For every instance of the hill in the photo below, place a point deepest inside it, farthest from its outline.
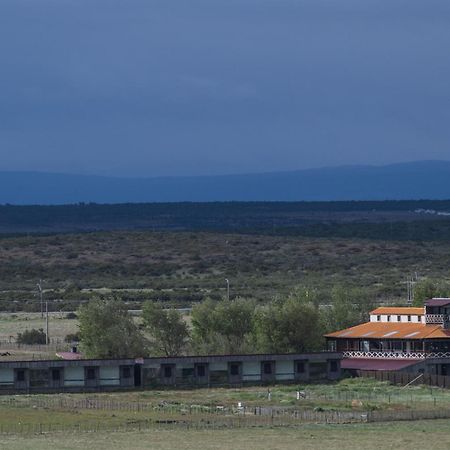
(416, 180)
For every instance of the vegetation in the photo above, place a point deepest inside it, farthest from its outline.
(223, 327)
(181, 269)
(31, 337)
(429, 288)
(169, 333)
(107, 330)
(291, 325)
(180, 429)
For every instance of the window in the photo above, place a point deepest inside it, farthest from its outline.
(21, 375)
(378, 318)
(300, 367)
(90, 375)
(201, 371)
(126, 372)
(333, 366)
(409, 318)
(56, 375)
(388, 318)
(167, 372)
(234, 369)
(399, 318)
(267, 368)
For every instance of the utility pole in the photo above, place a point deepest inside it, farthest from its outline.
(39, 285)
(228, 288)
(410, 283)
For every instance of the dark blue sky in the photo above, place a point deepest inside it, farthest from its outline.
(170, 87)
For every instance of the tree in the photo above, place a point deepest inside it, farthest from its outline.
(107, 330)
(224, 326)
(167, 328)
(348, 307)
(292, 325)
(426, 289)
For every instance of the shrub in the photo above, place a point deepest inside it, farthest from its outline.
(31, 337)
(72, 337)
(71, 315)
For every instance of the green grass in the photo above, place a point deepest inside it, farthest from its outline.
(411, 435)
(31, 423)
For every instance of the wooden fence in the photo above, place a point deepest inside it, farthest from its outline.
(404, 378)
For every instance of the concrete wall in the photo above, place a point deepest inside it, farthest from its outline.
(284, 371)
(251, 371)
(393, 318)
(74, 376)
(109, 376)
(6, 377)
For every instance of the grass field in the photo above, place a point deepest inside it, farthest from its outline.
(45, 421)
(410, 435)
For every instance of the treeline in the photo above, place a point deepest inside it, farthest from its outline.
(218, 216)
(295, 323)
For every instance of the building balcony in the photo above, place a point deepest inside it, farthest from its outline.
(435, 319)
(395, 355)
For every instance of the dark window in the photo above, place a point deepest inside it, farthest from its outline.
(90, 374)
(333, 366)
(388, 318)
(399, 318)
(56, 375)
(300, 367)
(267, 368)
(379, 318)
(234, 369)
(126, 372)
(409, 318)
(167, 372)
(21, 375)
(201, 371)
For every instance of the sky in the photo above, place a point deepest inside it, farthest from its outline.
(177, 87)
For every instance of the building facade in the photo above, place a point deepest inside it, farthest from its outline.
(412, 338)
(189, 371)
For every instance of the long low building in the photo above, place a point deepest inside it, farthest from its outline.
(221, 370)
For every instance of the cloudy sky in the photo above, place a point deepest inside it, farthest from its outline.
(171, 87)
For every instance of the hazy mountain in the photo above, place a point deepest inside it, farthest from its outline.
(416, 180)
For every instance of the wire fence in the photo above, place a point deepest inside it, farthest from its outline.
(294, 418)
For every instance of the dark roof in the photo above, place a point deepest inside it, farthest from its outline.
(377, 364)
(437, 302)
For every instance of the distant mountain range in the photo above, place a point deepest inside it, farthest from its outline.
(415, 180)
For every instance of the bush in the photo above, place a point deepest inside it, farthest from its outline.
(31, 337)
(73, 337)
(71, 315)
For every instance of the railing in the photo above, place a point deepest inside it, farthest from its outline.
(395, 355)
(435, 319)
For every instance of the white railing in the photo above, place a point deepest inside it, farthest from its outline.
(395, 355)
(435, 318)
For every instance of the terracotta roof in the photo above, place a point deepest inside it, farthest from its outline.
(377, 364)
(398, 310)
(392, 330)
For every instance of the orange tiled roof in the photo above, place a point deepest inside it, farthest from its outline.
(390, 330)
(398, 310)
